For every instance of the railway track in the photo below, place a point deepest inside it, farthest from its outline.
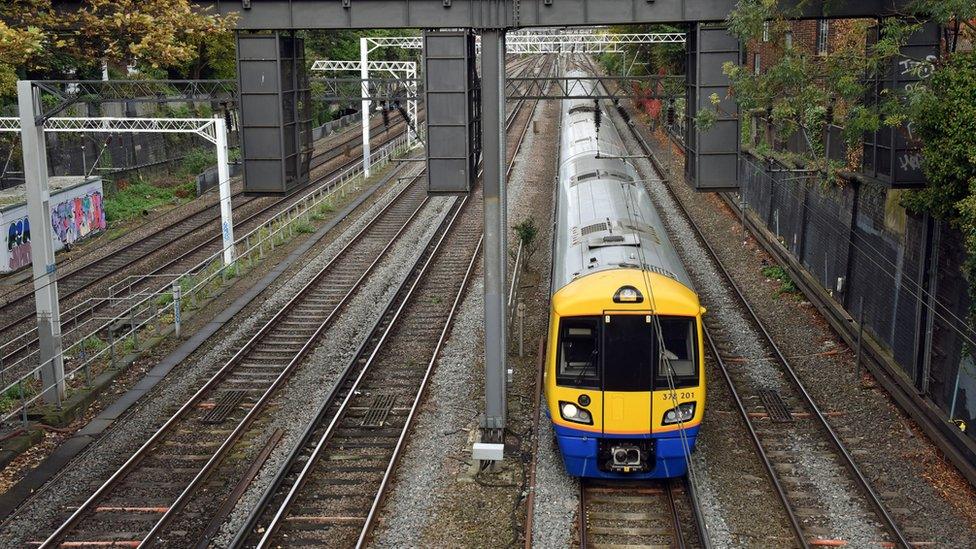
(155, 484)
(333, 484)
(154, 481)
(89, 272)
(782, 418)
(630, 514)
(22, 340)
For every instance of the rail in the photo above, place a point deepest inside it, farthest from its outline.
(154, 310)
(858, 478)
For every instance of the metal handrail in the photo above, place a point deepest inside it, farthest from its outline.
(254, 242)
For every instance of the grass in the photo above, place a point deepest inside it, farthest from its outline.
(93, 344)
(139, 197)
(304, 227)
(786, 284)
(11, 398)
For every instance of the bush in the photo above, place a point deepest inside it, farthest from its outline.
(775, 272)
(198, 160)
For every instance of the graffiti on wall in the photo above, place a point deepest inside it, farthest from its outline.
(76, 218)
(18, 244)
(76, 213)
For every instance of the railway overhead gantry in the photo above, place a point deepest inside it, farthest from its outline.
(712, 153)
(36, 119)
(403, 70)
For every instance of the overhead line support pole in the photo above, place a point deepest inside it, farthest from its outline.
(223, 183)
(364, 76)
(495, 243)
(42, 243)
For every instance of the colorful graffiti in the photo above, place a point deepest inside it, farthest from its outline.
(76, 213)
(18, 243)
(75, 218)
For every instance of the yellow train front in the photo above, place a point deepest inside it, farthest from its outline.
(625, 384)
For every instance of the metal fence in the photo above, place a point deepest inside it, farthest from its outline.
(101, 338)
(899, 272)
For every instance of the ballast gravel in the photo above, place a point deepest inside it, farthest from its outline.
(422, 506)
(442, 431)
(126, 435)
(729, 518)
(928, 498)
(301, 398)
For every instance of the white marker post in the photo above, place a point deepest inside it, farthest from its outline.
(223, 183)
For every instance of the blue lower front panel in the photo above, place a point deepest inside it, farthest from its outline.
(579, 450)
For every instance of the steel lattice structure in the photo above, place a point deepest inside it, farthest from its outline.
(585, 42)
(204, 127)
(603, 87)
(404, 87)
(9, 124)
(550, 42)
(394, 67)
(68, 92)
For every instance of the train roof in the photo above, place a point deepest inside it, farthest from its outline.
(605, 218)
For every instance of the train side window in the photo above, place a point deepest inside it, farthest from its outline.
(678, 352)
(579, 352)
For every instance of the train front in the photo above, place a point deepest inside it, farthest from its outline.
(625, 385)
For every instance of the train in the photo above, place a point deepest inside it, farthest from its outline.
(622, 405)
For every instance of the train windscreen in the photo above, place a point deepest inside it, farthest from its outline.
(616, 353)
(678, 354)
(579, 352)
(627, 356)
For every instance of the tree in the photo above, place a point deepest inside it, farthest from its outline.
(800, 92)
(22, 40)
(38, 42)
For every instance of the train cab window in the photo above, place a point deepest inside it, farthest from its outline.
(628, 341)
(579, 352)
(678, 353)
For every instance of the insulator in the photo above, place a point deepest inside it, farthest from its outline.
(386, 115)
(597, 115)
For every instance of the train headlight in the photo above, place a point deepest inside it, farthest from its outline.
(680, 414)
(572, 412)
(628, 294)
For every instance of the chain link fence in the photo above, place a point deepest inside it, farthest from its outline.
(898, 272)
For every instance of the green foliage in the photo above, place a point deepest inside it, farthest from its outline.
(162, 38)
(526, 231)
(775, 272)
(12, 396)
(343, 45)
(135, 199)
(93, 344)
(304, 227)
(198, 160)
(943, 117)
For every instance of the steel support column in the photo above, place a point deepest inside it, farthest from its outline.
(42, 244)
(364, 109)
(223, 184)
(495, 243)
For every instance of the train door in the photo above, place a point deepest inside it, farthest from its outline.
(628, 366)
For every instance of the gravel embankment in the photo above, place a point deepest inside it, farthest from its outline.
(929, 499)
(730, 482)
(91, 468)
(302, 397)
(438, 501)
